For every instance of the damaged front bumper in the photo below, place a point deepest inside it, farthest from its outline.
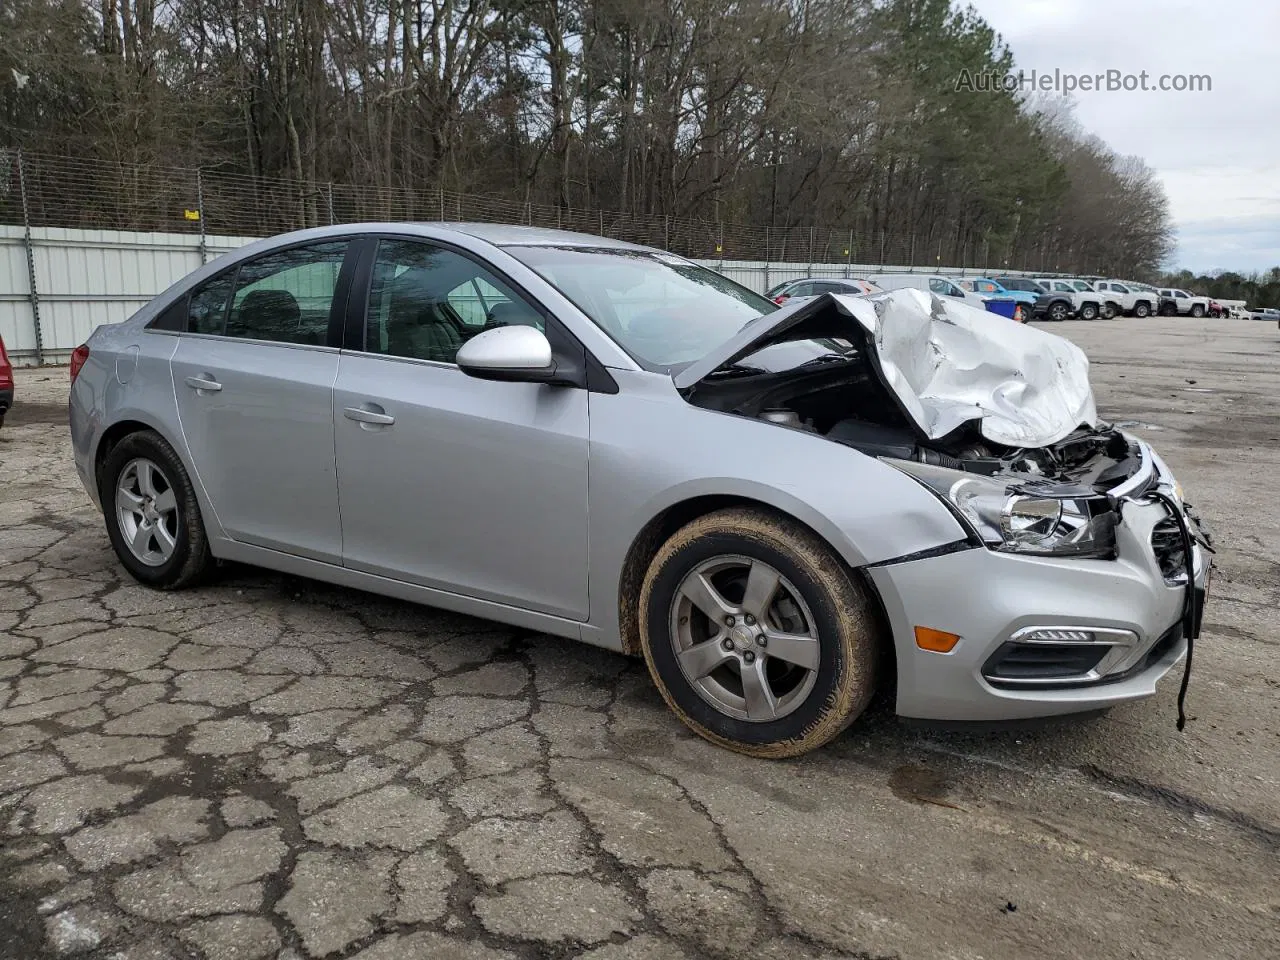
(1041, 635)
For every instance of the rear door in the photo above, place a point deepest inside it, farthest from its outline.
(253, 376)
(470, 486)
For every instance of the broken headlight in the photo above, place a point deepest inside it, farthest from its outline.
(1018, 522)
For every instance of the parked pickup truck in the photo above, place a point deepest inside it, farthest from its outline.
(1186, 304)
(1133, 299)
(1049, 305)
(1088, 305)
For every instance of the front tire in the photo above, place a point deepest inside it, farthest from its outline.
(1088, 311)
(1197, 311)
(1058, 312)
(1141, 310)
(153, 517)
(755, 634)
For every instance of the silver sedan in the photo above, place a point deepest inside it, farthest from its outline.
(782, 510)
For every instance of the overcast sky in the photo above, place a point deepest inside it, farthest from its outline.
(1217, 152)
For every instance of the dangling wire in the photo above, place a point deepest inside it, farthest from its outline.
(1189, 618)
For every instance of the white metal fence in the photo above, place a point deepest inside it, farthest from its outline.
(57, 285)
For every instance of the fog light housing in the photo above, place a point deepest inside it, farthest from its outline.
(1062, 656)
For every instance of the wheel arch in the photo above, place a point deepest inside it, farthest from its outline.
(671, 518)
(137, 421)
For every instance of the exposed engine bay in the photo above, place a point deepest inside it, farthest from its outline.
(846, 403)
(910, 376)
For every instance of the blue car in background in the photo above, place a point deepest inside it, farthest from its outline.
(988, 287)
(999, 294)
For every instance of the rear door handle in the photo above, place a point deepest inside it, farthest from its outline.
(199, 383)
(361, 415)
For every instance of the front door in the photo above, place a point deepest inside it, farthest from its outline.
(254, 377)
(471, 486)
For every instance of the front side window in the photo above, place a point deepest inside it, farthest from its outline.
(425, 302)
(1119, 288)
(286, 296)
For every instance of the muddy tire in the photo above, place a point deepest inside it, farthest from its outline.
(152, 515)
(756, 635)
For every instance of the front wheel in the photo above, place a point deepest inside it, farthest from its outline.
(153, 518)
(1088, 311)
(1058, 312)
(1197, 311)
(1141, 310)
(755, 634)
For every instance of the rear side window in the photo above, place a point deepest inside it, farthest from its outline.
(207, 312)
(286, 297)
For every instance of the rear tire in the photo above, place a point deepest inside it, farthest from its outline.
(766, 577)
(1088, 312)
(1141, 310)
(152, 515)
(1109, 311)
(1197, 311)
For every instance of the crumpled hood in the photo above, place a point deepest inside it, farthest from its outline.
(946, 363)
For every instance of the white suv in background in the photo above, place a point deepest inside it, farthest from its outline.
(1186, 304)
(1131, 297)
(1089, 305)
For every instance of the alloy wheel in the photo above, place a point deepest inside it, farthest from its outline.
(147, 512)
(744, 638)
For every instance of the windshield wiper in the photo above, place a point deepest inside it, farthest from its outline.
(828, 358)
(736, 370)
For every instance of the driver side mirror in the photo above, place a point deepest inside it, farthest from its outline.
(517, 354)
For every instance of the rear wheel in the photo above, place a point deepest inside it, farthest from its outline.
(1109, 311)
(1197, 311)
(755, 634)
(1141, 309)
(153, 518)
(1088, 311)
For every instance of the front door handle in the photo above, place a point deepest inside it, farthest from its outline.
(200, 383)
(361, 415)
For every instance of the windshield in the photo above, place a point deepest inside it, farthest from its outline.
(663, 310)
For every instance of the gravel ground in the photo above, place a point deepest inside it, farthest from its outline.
(270, 767)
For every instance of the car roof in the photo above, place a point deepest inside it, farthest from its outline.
(519, 235)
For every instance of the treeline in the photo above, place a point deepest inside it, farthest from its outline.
(788, 114)
(1255, 289)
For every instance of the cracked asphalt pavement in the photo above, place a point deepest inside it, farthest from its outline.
(267, 767)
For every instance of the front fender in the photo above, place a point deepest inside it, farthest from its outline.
(651, 450)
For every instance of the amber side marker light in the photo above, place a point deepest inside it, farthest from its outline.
(935, 641)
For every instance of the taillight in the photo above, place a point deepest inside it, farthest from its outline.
(780, 299)
(78, 356)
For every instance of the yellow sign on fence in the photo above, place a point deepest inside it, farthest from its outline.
(191, 214)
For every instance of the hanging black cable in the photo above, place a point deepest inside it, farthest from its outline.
(1189, 617)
